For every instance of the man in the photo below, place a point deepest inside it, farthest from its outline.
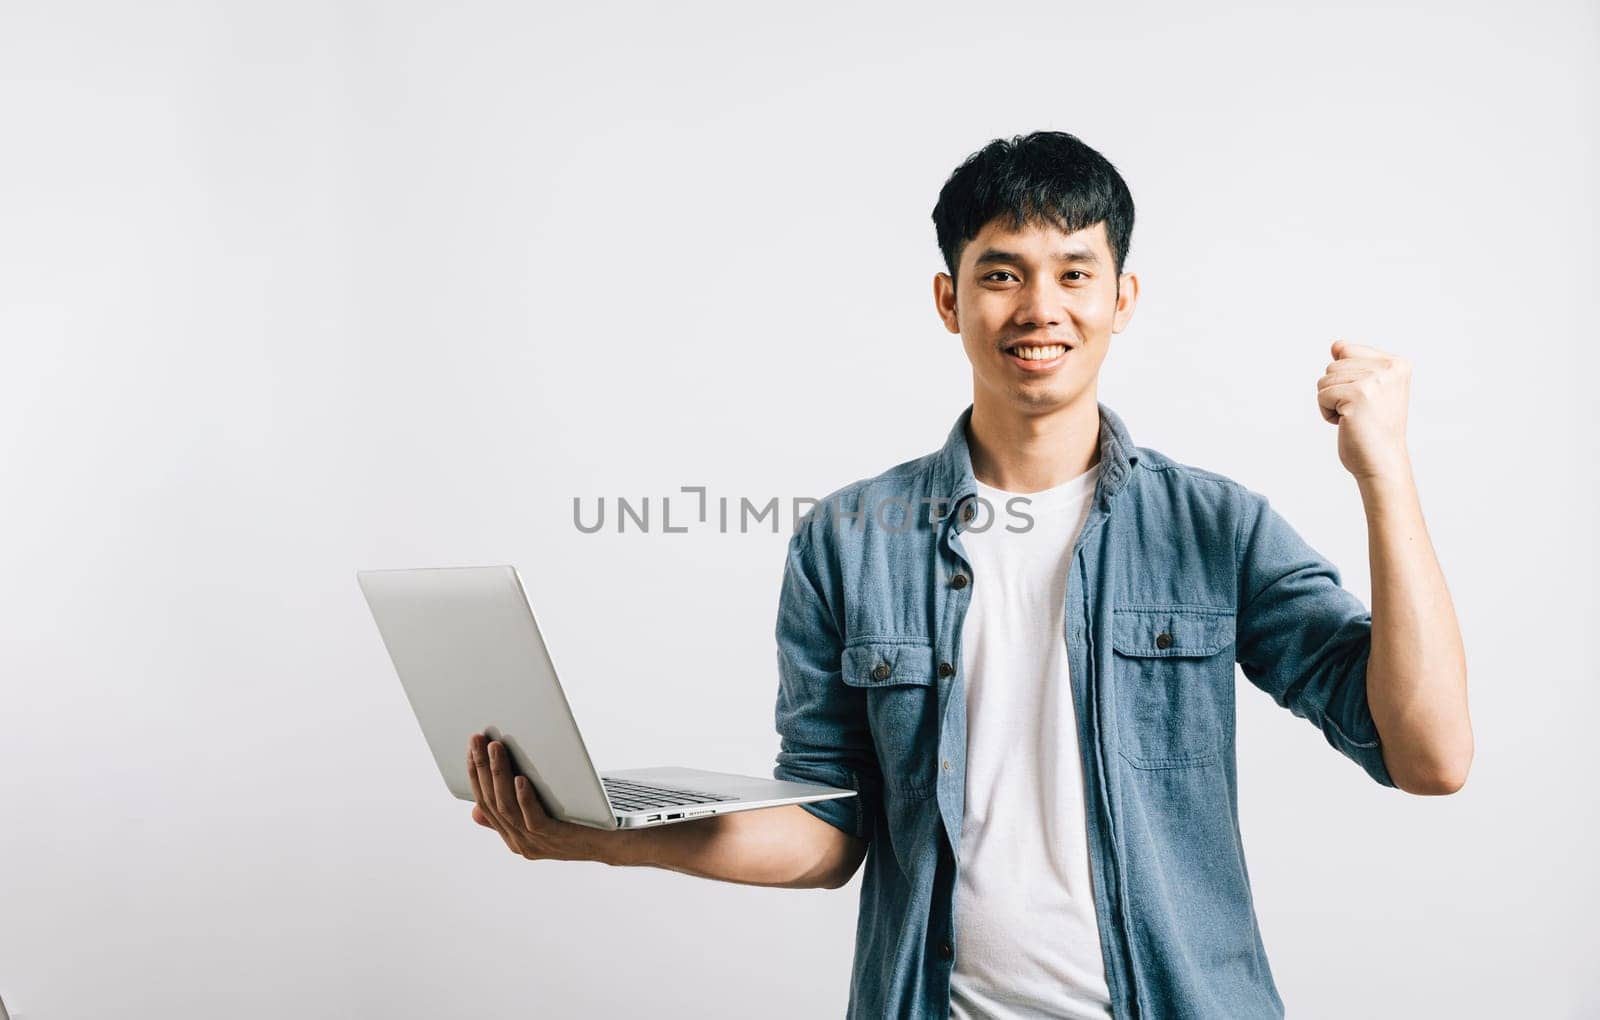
(1020, 651)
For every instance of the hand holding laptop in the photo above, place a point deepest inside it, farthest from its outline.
(468, 650)
(507, 803)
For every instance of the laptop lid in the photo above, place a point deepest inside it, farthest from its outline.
(471, 659)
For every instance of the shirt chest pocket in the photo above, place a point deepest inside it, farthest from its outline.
(902, 708)
(1174, 683)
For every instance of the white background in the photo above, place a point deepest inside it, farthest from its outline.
(291, 290)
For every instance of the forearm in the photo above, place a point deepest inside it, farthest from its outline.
(783, 846)
(1417, 670)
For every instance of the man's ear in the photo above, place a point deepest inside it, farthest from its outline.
(944, 293)
(1127, 298)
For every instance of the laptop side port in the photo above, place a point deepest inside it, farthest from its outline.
(653, 818)
(678, 815)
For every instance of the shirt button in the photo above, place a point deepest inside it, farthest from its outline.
(958, 582)
(880, 671)
(947, 764)
(968, 513)
(945, 952)
(945, 669)
(1163, 640)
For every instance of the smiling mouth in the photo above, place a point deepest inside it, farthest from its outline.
(1037, 352)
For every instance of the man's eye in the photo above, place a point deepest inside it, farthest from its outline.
(1076, 273)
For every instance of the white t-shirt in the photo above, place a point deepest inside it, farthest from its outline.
(1026, 941)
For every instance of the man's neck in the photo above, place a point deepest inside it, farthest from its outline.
(1030, 453)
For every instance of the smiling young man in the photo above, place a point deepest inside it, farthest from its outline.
(1020, 650)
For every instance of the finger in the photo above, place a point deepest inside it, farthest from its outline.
(534, 815)
(477, 768)
(482, 788)
(505, 797)
(1352, 365)
(479, 817)
(1336, 378)
(1336, 399)
(472, 771)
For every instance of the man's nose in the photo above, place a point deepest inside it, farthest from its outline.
(1039, 304)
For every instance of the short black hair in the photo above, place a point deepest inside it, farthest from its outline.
(1047, 176)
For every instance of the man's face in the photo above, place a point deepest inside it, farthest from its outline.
(1036, 288)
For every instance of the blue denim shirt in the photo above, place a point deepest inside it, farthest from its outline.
(1177, 574)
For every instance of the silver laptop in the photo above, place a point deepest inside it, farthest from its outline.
(472, 660)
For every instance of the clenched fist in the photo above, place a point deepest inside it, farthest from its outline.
(1365, 391)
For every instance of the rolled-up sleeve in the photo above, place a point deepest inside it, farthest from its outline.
(822, 723)
(1303, 638)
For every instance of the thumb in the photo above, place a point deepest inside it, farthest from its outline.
(1345, 349)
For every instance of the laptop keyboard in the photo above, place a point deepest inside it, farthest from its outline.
(630, 796)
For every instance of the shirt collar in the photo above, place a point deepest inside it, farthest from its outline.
(954, 481)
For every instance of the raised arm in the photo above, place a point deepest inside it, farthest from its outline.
(1416, 676)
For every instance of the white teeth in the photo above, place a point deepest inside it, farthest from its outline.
(1040, 353)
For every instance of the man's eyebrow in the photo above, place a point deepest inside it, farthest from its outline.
(1080, 255)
